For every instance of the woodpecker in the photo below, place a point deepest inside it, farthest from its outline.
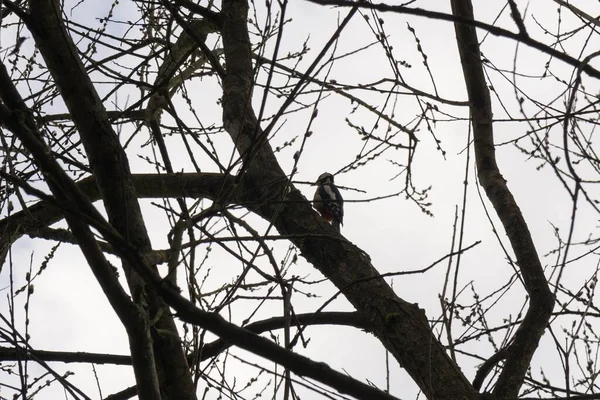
(328, 201)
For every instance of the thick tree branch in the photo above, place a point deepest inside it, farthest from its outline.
(111, 168)
(228, 332)
(235, 335)
(44, 214)
(402, 327)
(213, 322)
(541, 300)
(20, 121)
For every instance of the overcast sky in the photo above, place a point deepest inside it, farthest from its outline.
(69, 312)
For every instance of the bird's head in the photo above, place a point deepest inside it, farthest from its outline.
(324, 178)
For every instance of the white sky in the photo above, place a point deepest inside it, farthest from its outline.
(68, 311)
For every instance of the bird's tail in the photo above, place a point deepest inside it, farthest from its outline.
(336, 225)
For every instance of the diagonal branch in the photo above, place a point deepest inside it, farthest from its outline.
(541, 301)
(110, 166)
(228, 332)
(579, 12)
(235, 335)
(19, 120)
(401, 326)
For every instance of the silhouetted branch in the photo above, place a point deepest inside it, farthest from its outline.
(465, 20)
(208, 350)
(541, 301)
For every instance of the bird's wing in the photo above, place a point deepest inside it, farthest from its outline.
(339, 200)
(336, 204)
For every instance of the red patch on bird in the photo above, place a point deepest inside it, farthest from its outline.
(327, 215)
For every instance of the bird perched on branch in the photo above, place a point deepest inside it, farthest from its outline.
(328, 201)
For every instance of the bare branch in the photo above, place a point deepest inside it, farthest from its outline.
(579, 12)
(209, 350)
(401, 326)
(541, 300)
(21, 123)
(111, 168)
(463, 20)
(516, 15)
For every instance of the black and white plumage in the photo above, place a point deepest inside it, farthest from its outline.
(328, 201)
